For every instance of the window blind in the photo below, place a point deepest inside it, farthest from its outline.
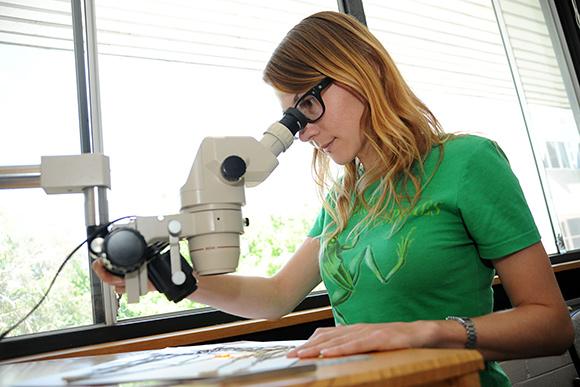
(455, 47)
(201, 32)
(452, 46)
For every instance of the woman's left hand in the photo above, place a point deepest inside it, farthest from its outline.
(361, 338)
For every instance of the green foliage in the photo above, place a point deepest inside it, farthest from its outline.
(26, 269)
(270, 245)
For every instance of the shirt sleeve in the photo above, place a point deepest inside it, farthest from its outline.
(492, 204)
(318, 226)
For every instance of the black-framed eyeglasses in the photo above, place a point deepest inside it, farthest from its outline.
(311, 103)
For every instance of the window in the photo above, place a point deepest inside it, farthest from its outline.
(39, 117)
(540, 67)
(560, 154)
(159, 65)
(453, 56)
(172, 74)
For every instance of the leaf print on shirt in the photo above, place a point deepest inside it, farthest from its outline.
(339, 317)
(333, 268)
(402, 251)
(344, 278)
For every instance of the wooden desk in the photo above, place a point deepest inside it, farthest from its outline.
(411, 367)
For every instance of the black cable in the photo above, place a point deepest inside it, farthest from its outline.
(94, 234)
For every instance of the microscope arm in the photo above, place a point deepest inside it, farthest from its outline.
(211, 199)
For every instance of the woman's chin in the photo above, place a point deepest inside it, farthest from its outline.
(340, 160)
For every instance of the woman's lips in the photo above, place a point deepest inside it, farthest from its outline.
(326, 148)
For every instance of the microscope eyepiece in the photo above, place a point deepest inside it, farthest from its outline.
(294, 120)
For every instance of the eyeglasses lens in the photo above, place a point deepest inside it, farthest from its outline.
(311, 107)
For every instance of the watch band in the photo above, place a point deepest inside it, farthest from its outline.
(469, 329)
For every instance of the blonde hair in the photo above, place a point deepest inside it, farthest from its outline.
(396, 125)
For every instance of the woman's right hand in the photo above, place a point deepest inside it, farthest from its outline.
(112, 279)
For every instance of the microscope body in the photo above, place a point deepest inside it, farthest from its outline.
(210, 219)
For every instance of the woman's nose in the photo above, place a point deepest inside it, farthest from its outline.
(306, 134)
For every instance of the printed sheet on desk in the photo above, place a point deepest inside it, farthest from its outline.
(214, 361)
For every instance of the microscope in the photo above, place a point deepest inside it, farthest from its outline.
(210, 219)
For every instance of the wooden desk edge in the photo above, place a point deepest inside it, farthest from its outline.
(429, 365)
(405, 367)
(214, 332)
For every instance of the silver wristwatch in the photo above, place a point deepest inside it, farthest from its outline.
(469, 329)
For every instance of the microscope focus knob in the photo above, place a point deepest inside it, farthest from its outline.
(233, 168)
(125, 250)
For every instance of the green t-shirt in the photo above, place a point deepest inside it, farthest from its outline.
(472, 209)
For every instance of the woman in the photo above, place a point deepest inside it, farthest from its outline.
(410, 236)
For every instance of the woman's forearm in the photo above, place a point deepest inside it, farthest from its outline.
(539, 323)
(250, 297)
(260, 297)
(516, 333)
